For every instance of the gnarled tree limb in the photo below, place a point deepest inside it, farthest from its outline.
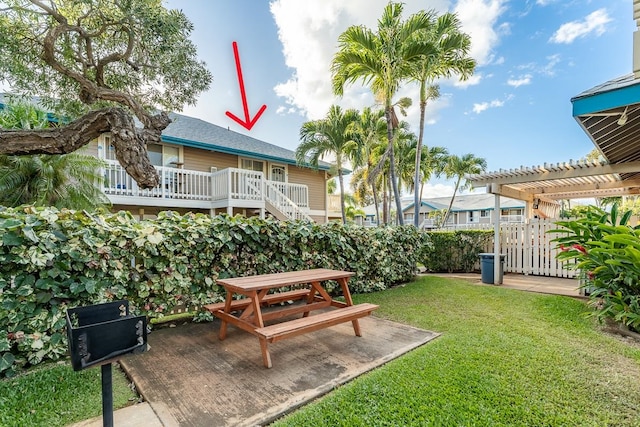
(129, 141)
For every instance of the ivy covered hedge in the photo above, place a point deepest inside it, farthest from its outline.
(456, 251)
(51, 260)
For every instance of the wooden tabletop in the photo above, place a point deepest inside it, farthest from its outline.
(277, 280)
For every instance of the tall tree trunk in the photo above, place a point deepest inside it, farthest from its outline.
(417, 198)
(455, 190)
(392, 166)
(420, 198)
(385, 196)
(341, 181)
(375, 202)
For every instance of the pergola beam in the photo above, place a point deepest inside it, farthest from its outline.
(550, 190)
(512, 193)
(522, 176)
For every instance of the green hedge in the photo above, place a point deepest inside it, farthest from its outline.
(52, 260)
(455, 251)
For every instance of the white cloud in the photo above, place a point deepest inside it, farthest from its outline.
(437, 190)
(471, 81)
(595, 22)
(309, 32)
(478, 18)
(521, 81)
(549, 68)
(484, 106)
(544, 2)
(504, 29)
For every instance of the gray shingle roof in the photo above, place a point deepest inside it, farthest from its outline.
(461, 203)
(192, 132)
(617, 83)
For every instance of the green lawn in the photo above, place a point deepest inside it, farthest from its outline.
(55, 395)
(506, 358)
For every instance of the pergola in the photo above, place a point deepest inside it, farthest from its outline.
(610, 115)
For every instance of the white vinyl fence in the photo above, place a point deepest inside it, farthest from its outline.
(529, 248)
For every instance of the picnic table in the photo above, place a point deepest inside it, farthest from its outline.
(247, 313)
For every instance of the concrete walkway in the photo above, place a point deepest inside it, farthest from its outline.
(539, 284)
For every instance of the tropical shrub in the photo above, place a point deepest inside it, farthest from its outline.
(455, 251)
(607, 249)
(52, 259)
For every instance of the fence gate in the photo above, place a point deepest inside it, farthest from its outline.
(530, 250)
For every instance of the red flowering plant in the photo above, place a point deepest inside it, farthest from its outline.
(607, 249)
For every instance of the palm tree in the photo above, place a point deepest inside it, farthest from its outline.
(458, 167)
(405, 149)
(449, 55)
(329, 136)
(382, 60)
(434, 161)
(369, 131)
(64, 181)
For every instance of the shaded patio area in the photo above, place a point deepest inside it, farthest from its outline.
(529, 283)
(202, 381)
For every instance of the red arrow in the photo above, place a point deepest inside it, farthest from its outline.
(247, 122)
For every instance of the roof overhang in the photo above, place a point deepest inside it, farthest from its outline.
(610, 115)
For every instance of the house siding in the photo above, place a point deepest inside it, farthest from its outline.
(314, 180)
(203, 161)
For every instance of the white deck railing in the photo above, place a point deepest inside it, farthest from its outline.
(237, 184)
(298, 194)
(284, 204)
(174, 183)
(229, 186)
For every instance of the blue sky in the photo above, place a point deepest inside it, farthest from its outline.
(533, 56)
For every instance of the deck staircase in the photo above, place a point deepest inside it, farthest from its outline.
(280, 206)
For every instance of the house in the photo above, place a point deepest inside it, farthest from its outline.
(207, 168)
(467, 209)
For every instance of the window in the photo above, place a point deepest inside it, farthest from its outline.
(164, 155)
(470, 216)
(484, 214)
(278, 173)
(252, 165)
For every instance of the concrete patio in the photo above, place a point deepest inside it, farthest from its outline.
(529, 283)
(198, 380)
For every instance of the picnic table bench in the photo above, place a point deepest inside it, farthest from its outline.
(247, 313)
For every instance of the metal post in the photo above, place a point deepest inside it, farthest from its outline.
(496, 242)
(107, 396)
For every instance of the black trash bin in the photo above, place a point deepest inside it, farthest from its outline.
(486, 267)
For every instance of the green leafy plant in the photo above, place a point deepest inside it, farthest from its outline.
(607, 249)
(455, 251)
(54, 259)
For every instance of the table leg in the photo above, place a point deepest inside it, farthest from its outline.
(227, 309)
(257, 310)
(266, 356)
(347, 298)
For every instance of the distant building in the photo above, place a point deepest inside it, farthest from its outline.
(467, 209)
